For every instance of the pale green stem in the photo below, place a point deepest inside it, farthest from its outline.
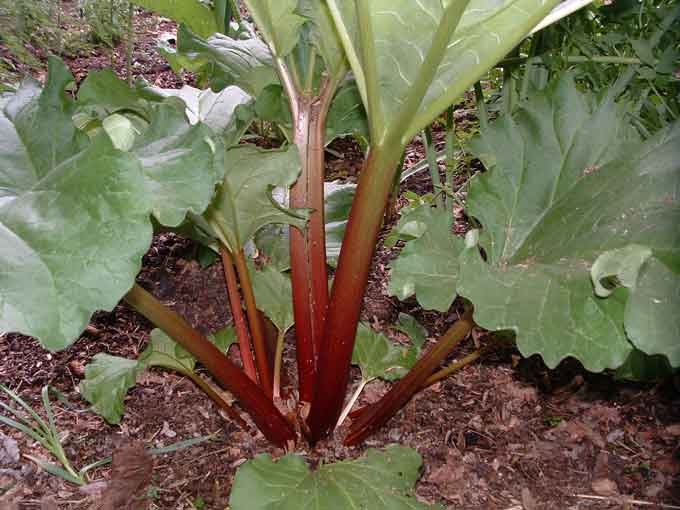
(278, 361)
(353, 400)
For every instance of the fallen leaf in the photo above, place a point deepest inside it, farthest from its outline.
(604, 487)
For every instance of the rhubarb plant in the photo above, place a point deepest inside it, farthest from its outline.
(86, 175)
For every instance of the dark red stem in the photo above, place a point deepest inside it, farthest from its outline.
(378, 414)
(240, 324)
(265, 415)
(308, 250)
(358, 247)
(255, 322)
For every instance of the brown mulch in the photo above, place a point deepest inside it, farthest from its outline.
(503, 434)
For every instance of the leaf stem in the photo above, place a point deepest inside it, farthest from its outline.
(255, 322)
(268, 419)
(352, 401)
(216, 397)
(378, 414)
(482, 111)
(433, 165)
(358, 246)
(278, 361)
(309, 274)
(237, 313)
(453, 368)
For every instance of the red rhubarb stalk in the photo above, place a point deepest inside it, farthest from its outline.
(365, 220)
(377, 415)
(308, 249)
(255, 322)
(265, 415)
(240, 324)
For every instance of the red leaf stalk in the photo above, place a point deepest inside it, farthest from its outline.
(354, 263)
(308, 250)
(377, 415)
(237, 313)
(268, 419)
(255, 322)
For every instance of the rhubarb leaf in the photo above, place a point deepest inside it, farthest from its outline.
(217, 110)
(74, 216)
(109, 378)
(278, 22)
(337, 205)
(408, 325)
(75, 211)
(395, 38)
(567, 180)
(378, 357)
(107, 381)
(173, 153)
(164, 352)
(324, 36)
(244, 203)
(428, 264)
(194, 13)
(382, 480)
(246, 63)
(273, 295)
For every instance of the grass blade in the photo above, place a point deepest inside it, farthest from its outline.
(23, 404)
(55, 470)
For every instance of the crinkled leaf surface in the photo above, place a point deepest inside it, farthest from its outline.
(273, 295)
(378, 357)
(244, 203)
(182, 164)
(195, 13)
(567, 180)
(164, 352)
(246, 63)
(217, 110)
(428, 264)
(402, 33)
(107, 381)
(408, 325)
(75, 212)
(382, 480)
(279, 23)
(74, 217)
(324, 36)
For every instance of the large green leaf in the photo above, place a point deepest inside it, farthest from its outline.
(382, 480)
(651, 321)
(244, 203)
(246, 63)
(195, 13)
(278, 22)
(273, 294)
(107, 381)
(567, 180)
(387, 53)
(74, 218)
(378, 357)
(173, 154)
(324, 36)
(75, 211)
(428, 264)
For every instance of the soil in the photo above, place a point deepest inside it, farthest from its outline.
(505, 433)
